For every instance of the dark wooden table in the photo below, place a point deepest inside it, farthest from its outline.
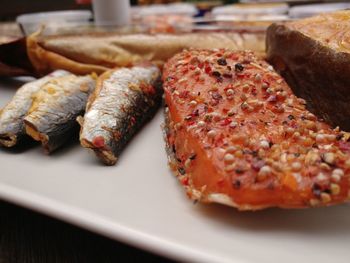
(29, 237)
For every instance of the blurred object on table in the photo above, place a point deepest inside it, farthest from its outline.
(111, 12)
(9, 30)
(30, 23)
(206, 6)
(303, 11)
(251, 10)
(164, 18)
(166, 23)
(185, 9)
(249, 17)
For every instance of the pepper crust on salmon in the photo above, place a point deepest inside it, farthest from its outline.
(237, 135)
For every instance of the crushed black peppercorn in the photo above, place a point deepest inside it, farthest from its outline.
(239, 67)
(222, 62)
(181, 170)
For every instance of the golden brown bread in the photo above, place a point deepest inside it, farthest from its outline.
(313, 55)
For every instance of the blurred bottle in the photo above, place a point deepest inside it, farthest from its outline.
(83, 2)
(111, 12)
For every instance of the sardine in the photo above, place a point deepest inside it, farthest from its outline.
(12, 115)
(52, 117)
(123, 101)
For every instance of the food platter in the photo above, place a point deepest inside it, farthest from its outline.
(139, 202)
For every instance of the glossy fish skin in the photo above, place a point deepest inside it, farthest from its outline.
(123, 101)
(52, 116)
(12, 115)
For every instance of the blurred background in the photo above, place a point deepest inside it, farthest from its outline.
(10, 9)
(155, 16)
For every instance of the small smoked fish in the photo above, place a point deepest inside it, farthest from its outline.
(12, 115)
(123, 101)
(240, 137)
(52, 117)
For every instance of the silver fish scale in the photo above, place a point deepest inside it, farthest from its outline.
(67, 102)
(11, 116)
(109, 110)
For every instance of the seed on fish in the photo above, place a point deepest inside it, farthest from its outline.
(239, 154)
(281, 95)
(337, 174)
(264, 172)
(231, 149)
(329, 158)
(301, 101)
(296, 135)
(258, 77)
(269, 90)
(229, 168)
(335, 189)
(296, 166)
(347, 164)
(325, 166)
(193, 103)
(331, 137)
(321, 177)
(311, 116)
(211, 134)
(265, 85)
(200, 124)
(261, 153)
(233, 124)
(229, 158)
(244, 106)
(187, 163)
(182, 80)
(243, 97)
(239, 67)
(229, 92)
(245, 87)
(326, 198)
(231, 112)
(320, 138)
(216, 116)
(314, 202)
(264, 144)
(177, 126)
(289, 131)
(222, 61)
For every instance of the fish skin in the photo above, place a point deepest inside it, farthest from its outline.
(52, 116)
(123, 101)
(12, 115)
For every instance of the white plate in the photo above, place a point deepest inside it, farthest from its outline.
(139, 202)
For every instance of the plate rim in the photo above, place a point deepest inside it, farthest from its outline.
(102, 226)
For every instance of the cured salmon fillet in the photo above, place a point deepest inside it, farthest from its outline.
(238, 136)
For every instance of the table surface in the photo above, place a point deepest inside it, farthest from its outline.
(26, 237)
